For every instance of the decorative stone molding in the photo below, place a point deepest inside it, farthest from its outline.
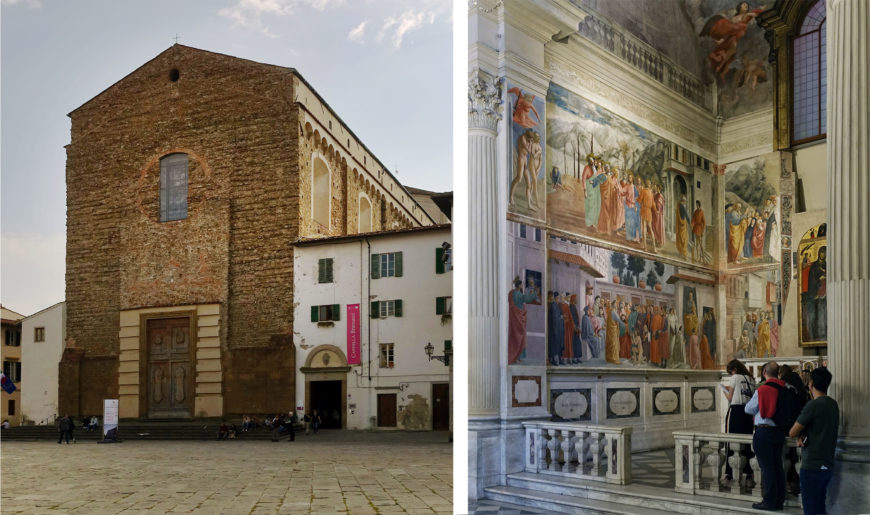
(484, 101)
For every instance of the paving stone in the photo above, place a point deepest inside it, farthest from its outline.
(346, 472)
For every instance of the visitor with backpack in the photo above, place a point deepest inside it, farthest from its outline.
(816, 429)
(738, 392)
(789, 376)
(774, 408)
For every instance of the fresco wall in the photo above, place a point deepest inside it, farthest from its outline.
(527, 153)
(752, 211)
(613, 180)
(526, 310)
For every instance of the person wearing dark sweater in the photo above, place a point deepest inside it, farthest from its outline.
(768, 440)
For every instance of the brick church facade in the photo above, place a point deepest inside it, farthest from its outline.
(187, 183)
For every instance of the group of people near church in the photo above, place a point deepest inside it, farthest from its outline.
(751, 233)
(759, 336)
(640, 334)
(782, 405)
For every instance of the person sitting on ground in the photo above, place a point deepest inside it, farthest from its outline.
(246, 423)
(223, 431)
(5, 424)
(95, 423)
(232, 432)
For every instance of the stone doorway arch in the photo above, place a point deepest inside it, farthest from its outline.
(325, 372)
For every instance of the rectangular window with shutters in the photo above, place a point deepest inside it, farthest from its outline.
(326, 313)
(443, 305)
(443, 260)
(386, 308)
(324, 271)
(38, 334)
(387, 355)
(12, 369)
(11, 407)
(386, 265)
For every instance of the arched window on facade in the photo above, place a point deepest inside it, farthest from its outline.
(365, 214)
(809, 78)
(173, 187)
(320, 196)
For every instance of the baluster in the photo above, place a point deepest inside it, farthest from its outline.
(595, 447)
(540, 448)
(566, 451)
(718, 464)
(581, 451)
(756, 474)
(552, 444)
(701, 453)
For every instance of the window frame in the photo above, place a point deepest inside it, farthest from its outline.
(387, 355)
(820, 64)
(325, 270)
(38, 334)
(444, 305)
(380, 265)
(326, 313)
(169, 190)
(12, 370)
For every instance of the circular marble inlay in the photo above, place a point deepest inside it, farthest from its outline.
(570, 405)
(702, 400)
(667, 401)
(623, 403)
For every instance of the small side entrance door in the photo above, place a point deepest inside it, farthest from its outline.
(386, 410)
(169, 372)
(440, 407)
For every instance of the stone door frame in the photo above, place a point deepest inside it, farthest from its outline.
(326, 372)
(144, 379)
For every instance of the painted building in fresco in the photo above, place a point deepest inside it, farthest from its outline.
(652, 220)
(366, 307)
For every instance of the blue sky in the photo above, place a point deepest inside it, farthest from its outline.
(384, 66)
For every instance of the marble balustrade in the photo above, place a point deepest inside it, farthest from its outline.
(699, 465)
(598, 453)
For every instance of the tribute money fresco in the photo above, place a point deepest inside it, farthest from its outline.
(610, 179)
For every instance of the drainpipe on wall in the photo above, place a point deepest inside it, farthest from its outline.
(369, 304)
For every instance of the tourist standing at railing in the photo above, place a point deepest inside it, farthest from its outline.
(816, 429)
(769, 439)
(739, 390)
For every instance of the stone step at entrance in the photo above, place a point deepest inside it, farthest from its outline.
(562, 494)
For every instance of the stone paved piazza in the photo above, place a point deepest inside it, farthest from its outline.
(332, 472)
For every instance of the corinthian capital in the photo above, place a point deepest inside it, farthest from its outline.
(484, 101)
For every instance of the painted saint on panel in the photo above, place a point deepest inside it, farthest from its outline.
(813, 271)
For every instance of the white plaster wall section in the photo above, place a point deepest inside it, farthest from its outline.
(746, 136)
(39, 363)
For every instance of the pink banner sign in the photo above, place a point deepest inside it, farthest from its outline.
(353, 352)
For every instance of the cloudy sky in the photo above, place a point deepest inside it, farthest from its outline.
(383, 65)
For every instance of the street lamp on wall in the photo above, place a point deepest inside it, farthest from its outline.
(445, 358)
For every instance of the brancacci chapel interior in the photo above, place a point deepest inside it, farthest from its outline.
(657, 188)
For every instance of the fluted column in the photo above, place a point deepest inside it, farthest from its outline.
(484, 97)
(848, 271)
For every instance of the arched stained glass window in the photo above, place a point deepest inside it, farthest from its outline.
(809, 78)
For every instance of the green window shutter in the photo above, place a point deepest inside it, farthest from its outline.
(315, 313)
(439, 260)
(448, 345)
(321, 271)
(375, 311)
(439, 305)
(398, 264)
(398, 307)
(376, 266)
(336, 312)
(329, 270)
